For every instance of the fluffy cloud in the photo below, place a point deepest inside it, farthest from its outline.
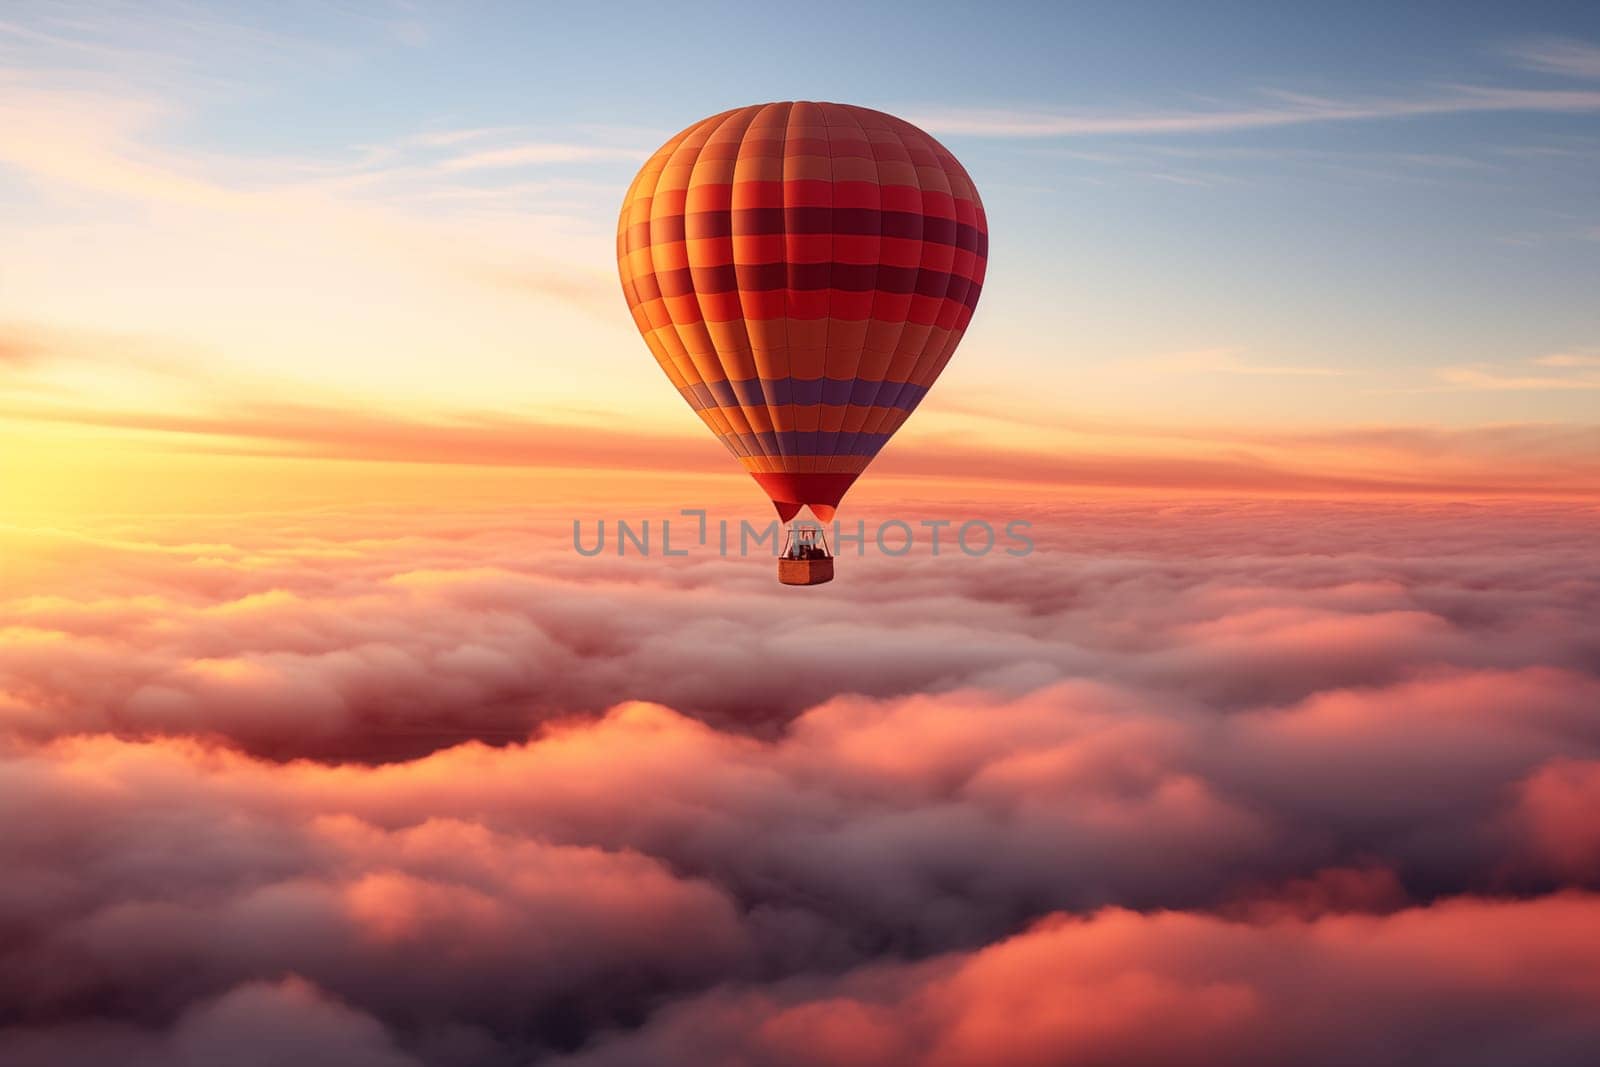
(1274, 782)
(257, 1024)
(533, 897)
(1169, 989)
(1557, 818)
(389, 636)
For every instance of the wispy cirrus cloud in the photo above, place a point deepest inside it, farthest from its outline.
(220, 411)
(331, 431)
(1569, 359)
(1278, 108)
(538, 153)
(1559, 55)
(1514, 460)
(445, 137)
(1580, 371)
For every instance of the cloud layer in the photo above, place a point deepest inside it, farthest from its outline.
(1274, 782)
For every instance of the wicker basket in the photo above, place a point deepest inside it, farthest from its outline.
(805, 571)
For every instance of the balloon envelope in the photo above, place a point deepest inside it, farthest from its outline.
(802, 272)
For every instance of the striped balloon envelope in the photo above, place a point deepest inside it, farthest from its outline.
(802, 272)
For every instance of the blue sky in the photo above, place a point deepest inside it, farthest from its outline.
(1234, 212)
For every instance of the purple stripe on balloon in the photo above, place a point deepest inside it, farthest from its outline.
(749, 393)
(837, 390)
(781, 392)
(776, 390)
(892, 394)
(805, 393)
(863, 392)
(822, 443)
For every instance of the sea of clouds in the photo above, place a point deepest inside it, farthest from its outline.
(1198, 781)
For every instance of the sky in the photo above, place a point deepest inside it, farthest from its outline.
(1361, 245)
(320, 744)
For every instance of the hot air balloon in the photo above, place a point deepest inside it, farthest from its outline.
(802, 272)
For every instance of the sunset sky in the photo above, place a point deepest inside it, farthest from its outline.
(1359, 247)
(320, 745)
